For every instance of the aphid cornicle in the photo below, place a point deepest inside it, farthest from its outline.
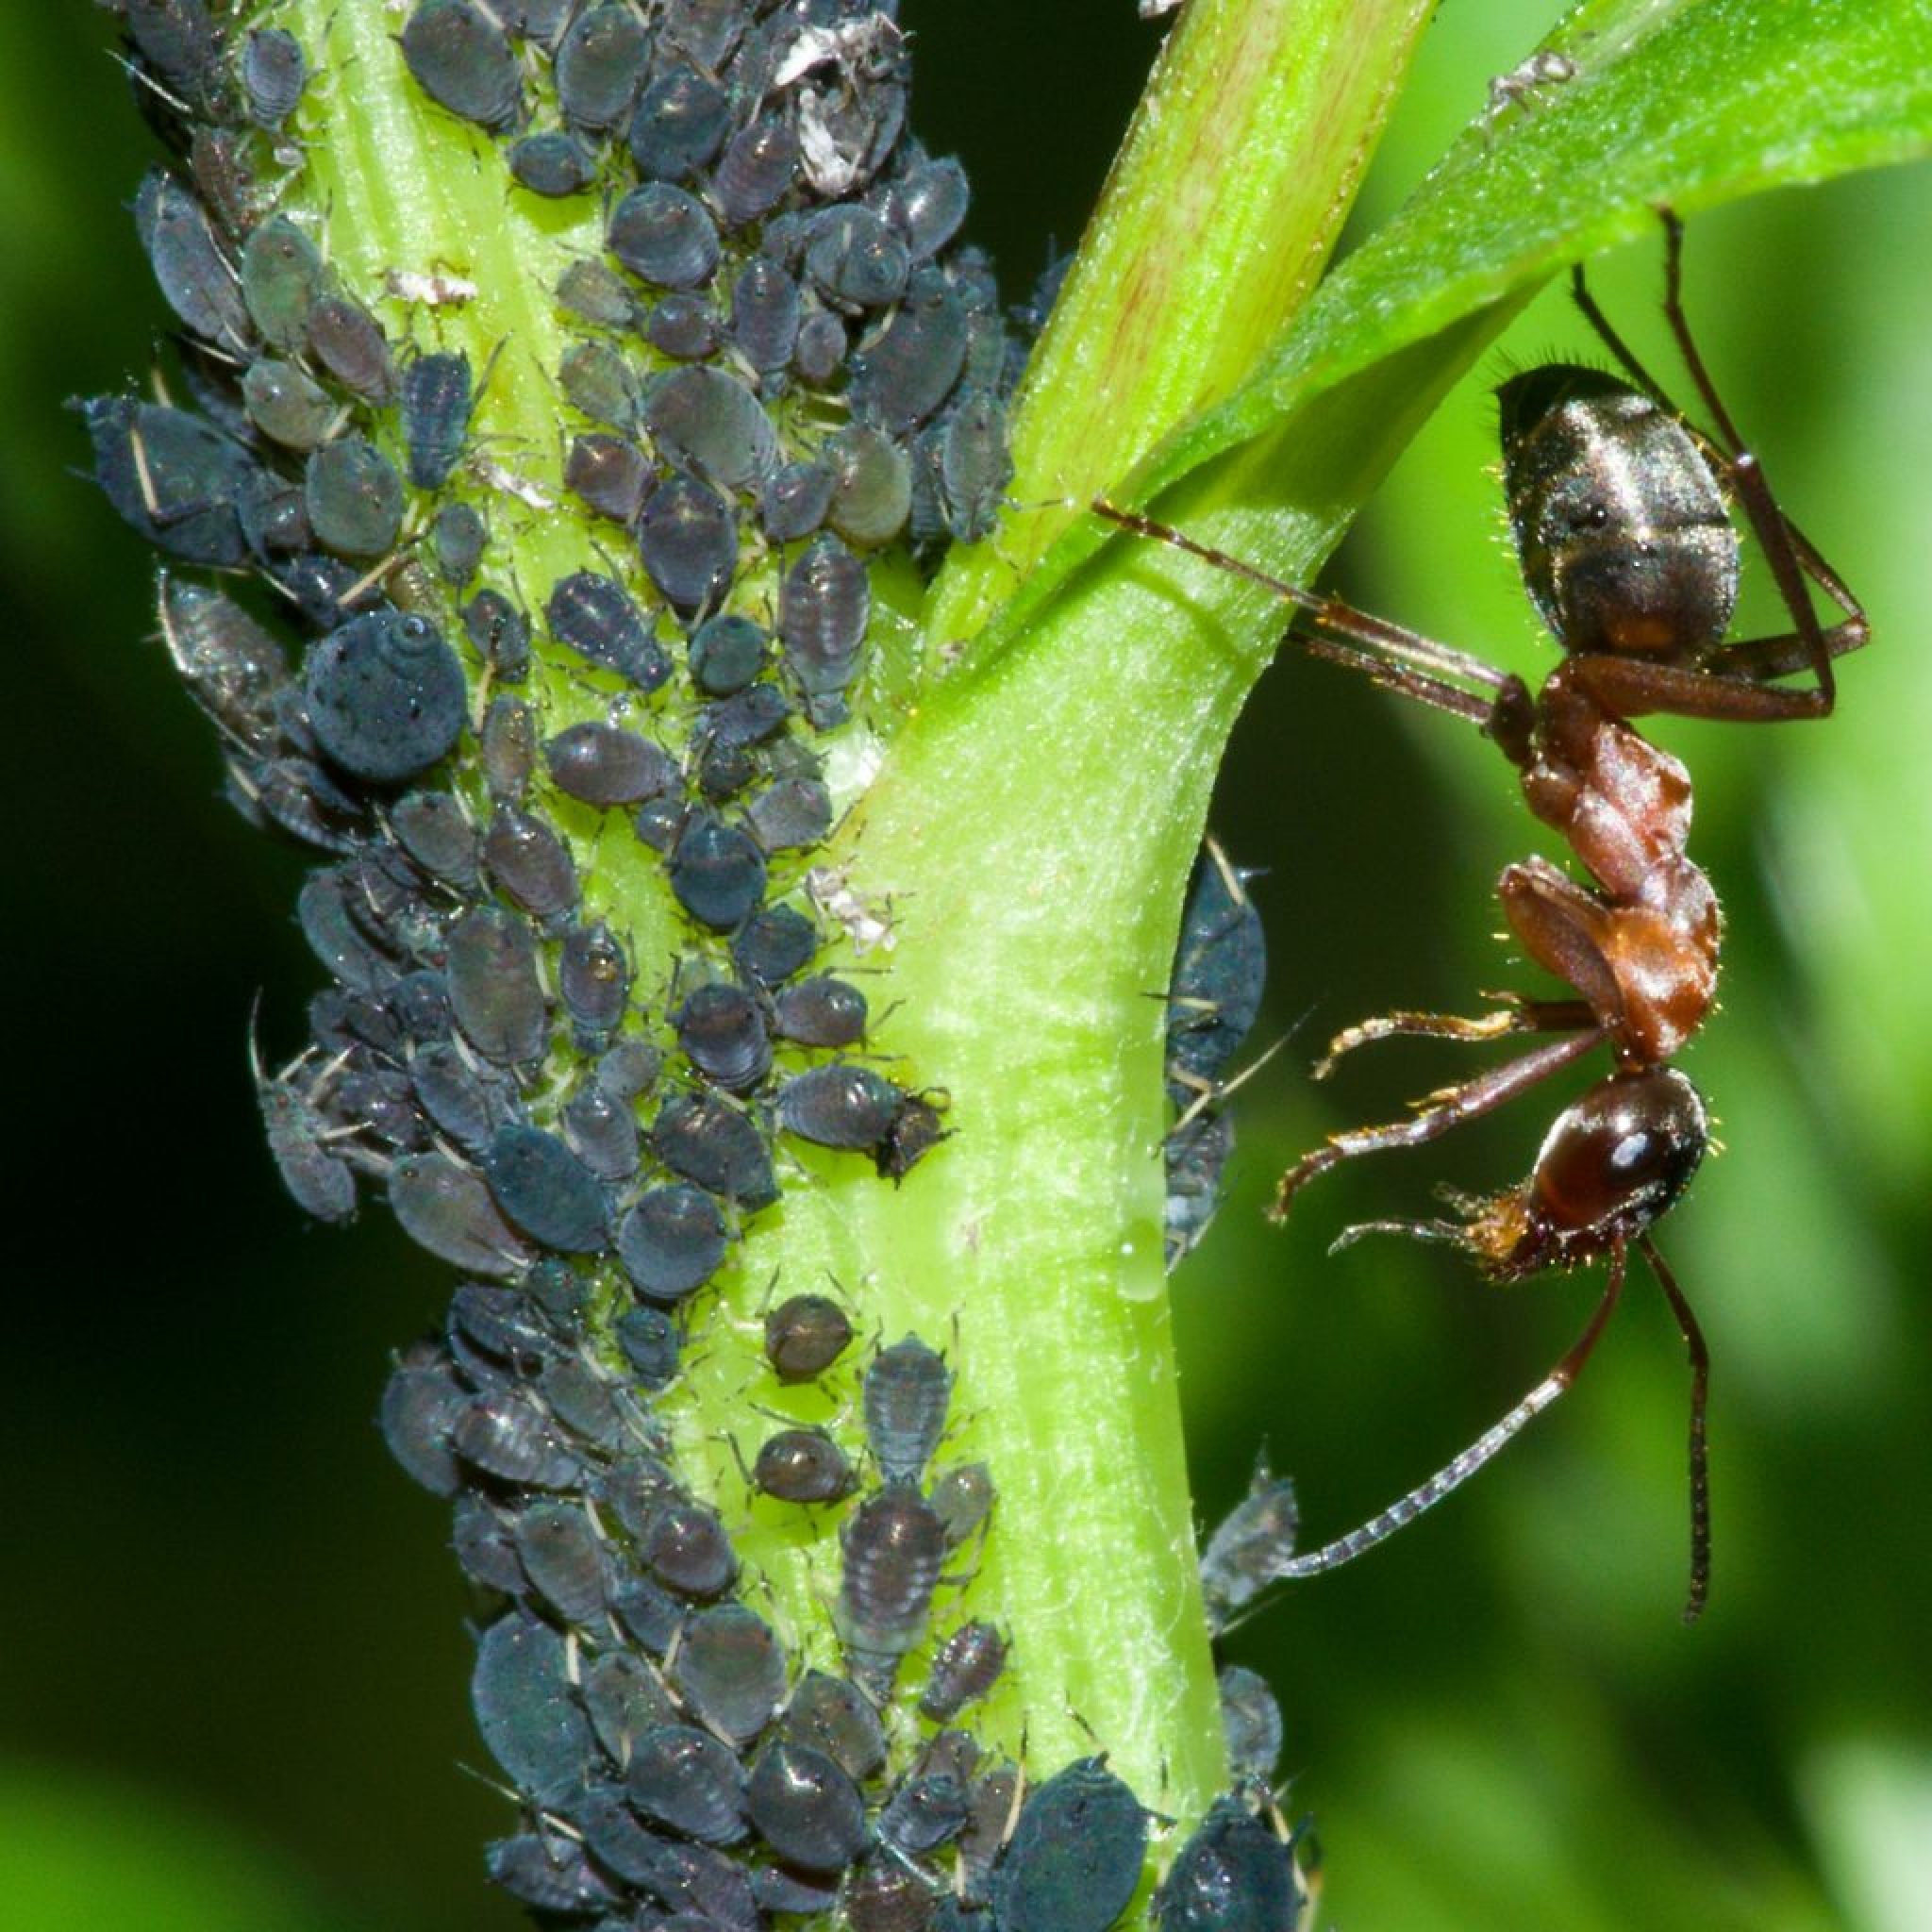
(1618, 509)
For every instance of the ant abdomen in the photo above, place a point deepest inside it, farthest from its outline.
(1614, 1160)
(1620, 524)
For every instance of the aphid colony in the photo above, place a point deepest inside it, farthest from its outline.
(778, 367)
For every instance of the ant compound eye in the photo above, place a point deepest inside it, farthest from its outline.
(1620, 1155)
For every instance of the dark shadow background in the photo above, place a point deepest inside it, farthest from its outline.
(230, 1641)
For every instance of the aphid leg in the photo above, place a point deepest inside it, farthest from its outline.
(1700, 1457)
(1435, 1116)
(1517, 1014)
(1344, 1549)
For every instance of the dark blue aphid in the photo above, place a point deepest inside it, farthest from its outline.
(501, 634)
(1232, 1875)
(546, 1190)
(600, 65)
(594, 981)
(854, 259)
(833, 1716)
(1220, 971)
(729, 1670)
(480, 1540)
(299, 1138)
(820, 1011)
(704, 1138)
(466, 1105)
(791, 814)
(457, 535)
(806, 1807)
(926, 205)
(795, 501)
(765, 314)
(688, 543)
(446, 1208)
(549, 1875)
(900, 381)
(508, 742)
(421, 1405)
(755, 171)
(172, 476)
(596, 617)
(564, 1558)
(179, 42)
(348, 342)
(273, 73)
(354, 498)
(672, 1241)
(531, 863)
(776, 944)
(923, 1813)
(508, 1433)
(197, 281)
(964, 1668)
(685, 1547)
(609, 475)
(602, 1132)
(717, 872)
(598, 294)
(324, 912)
(553, 164)
(494, 990)
(892, 1545)
(438, 394)
(386, 696)
(723, 1034)
(904, 1398)
(1073, 1861)
(819, 352)
(1196, 1154)
(606, 765)
(843, 1105)
(234, 669)
(602, 383)
(461, 60)
(970, 465)
(683, 328)
(710, 422)
(679, 126)
(625, 1699)
(824, 605)
(527, 1711)
(664, 237)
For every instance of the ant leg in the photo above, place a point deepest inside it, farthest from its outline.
(1518, 1014)
(1352, 638)
(1700, 1458)
(1434, 1117)
(1344, 1549)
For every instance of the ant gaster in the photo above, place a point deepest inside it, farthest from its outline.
(1618, 511)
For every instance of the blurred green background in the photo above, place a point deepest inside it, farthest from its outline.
(232, 1667)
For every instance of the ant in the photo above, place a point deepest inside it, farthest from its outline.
(1618, 511)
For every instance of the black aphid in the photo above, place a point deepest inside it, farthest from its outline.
(688, 543)
(600, 382)
(509, 745)
(791, 814)
(717, 872)
(684, 328)
(729, 1670)
(273, 73)
(421, 1404)
(806, 1807)
(530, 862)
(721, 1032)
(961, 1499)
(354, 498)
(462, 61)
(1073, 1861)
(854, 259)
(776, 944)
(597, 618)
(282, 277)
(446, 1208)
(480, 1539)
(708, 421)
(609, 475)
(928, 204)
(923, 1813)
(550, 1874)
(841, 1105)
(625, 1699)
(970, 465)
(664, 237)
(765, 314)
(194, 277)
(795, 501)
(349, 343)
(466, 1104)
(684, 1546)
(386, 696)
(593, 980)
(964, 1668)
(672, 1241)
(904, 1398)
(899, 379)
(1232, 1875)
(600, 65)
(804, 1335)
(819, 352)
(456, 536)
(598, 294)
(506, 1433)
(884, 1893)
(285, 405)
(801, 1466)
(820, 1011)
(501, 634)
(679, 126)
(1220, 973)
(527, 1711)
(649, 1339)
(438, 394)
(1251, 1721)
(824, 605)
(755, 171)
(872, 485)
(233, 668)
(546, 1190)
(892, 1545)
(602, 1132)
(553, 164)
(606, 765)
(832, 1716)
(172, 476)
(1249, 1546)
(564, 1558)
(493, 987)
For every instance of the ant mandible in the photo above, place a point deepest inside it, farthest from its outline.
(1618, 511)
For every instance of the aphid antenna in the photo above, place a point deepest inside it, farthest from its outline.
(1211, 1093)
